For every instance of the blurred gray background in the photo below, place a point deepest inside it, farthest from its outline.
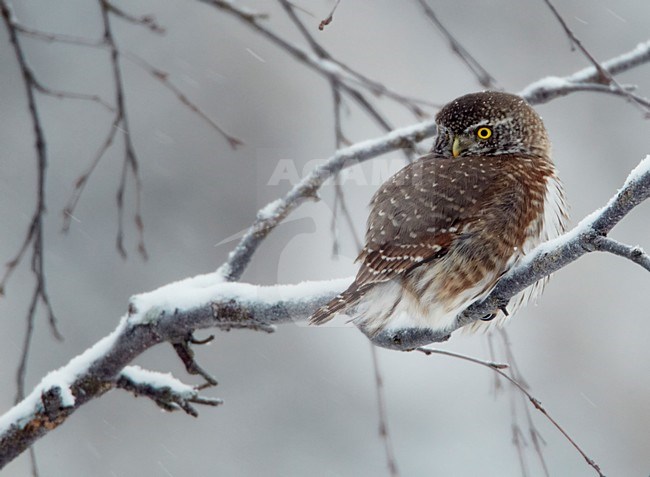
(302, 401)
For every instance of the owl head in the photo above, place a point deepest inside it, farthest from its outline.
(490, 123)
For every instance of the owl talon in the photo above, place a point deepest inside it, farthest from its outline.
(504, 310)
(489, 317)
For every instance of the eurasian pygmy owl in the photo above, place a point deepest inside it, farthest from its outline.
(445, 228)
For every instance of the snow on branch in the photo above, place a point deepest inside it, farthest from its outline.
(587, 79)
(167, 314)
(588, 236)
(166, 391)
(174, 311)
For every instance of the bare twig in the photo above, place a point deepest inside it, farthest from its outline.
(603, 76)
(322, 63)
(384, 432)
(335, 78)
(534, 401)
(489, 364)
(481, 74)
(163, 78)
(534, 434)
(72, 95)
(59, 38)
(186, 355)
(82, 180)
(147, 21)
(34, 237)
(130, 162)
(156, 73)
(339, 196)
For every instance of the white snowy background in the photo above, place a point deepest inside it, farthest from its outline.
(302, 401)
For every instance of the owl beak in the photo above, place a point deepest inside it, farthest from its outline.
(455, 147)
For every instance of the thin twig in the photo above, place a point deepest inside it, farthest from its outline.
(333, 77)
(34, 236)
(35, 231)
(603, 76)
(534, 401)
(71, 95)
(130, 162)
(481, 74)
(633, 253)
(147, 21)
(82, 180)
(59, 37)
(534, 434)
(326, 67)
(384, 433)
(163, 78)
(489, 364)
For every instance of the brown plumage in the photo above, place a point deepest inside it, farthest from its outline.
(445, 228)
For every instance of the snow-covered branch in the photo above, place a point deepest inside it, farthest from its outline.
(588, 236)
(166, 391)
(173, 312)
(167, 314)
(587, 79)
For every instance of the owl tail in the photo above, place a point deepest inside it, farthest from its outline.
(339, 303)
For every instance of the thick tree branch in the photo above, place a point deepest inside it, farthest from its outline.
(167, 314)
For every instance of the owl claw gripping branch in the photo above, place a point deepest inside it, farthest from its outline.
(445, 228)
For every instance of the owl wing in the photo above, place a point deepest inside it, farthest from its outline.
(415, 217)
(418, 213)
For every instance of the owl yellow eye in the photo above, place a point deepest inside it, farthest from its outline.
(484, 133)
